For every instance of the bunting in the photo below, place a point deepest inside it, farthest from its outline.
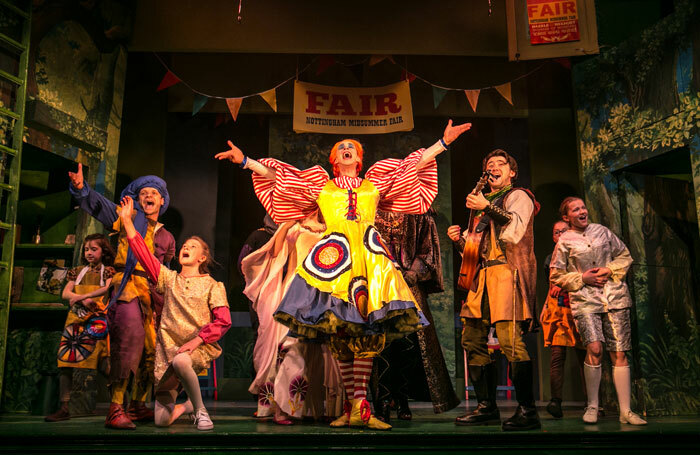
(199, 102)
(473, 98)
(504, 90)
(168, 81)
(326, 61)
(406, 76)
(270, 98)
(234, 105)
(563, 61)
(373, 60)
(438, 95)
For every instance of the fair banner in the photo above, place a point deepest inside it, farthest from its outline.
(553, 21)
(352, 110)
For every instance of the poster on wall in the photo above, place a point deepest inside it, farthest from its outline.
(352, 110)
(539, 29)
(552, 21)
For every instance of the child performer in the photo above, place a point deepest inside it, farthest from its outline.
(84, 341)
(348, 289)
(195, 316)
(590, 263)
(559, 330)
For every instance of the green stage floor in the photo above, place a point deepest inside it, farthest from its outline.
(236, 429)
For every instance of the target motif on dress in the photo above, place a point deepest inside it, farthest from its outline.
(358, 295)
(330, 258)
(96, 327)
(374, 243)
(76, 344)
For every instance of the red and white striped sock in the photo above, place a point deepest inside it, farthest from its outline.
(348, 378)
(362, 369)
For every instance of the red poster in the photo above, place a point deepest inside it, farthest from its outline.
(552, 21)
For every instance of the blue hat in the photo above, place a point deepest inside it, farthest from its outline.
(140, 222)
(148, 181)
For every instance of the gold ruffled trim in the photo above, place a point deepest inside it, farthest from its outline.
(403, 322)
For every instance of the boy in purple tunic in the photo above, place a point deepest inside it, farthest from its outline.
(134, 303)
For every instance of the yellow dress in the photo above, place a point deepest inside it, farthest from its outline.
(85, 339)
(348, 286)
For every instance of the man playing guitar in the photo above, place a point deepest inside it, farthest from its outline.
(502, 293)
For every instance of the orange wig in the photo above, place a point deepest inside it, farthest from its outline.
(334, 155)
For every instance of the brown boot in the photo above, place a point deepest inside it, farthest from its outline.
(117, 418)
(139, 412)
(61, 414)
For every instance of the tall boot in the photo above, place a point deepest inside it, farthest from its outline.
(484, 378)
(525, 417)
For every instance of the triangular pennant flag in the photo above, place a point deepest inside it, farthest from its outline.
(270, 98)
(324, 62)
(406, 76)
(373, 60)
(234, 105)
(358, 71)
(168, 81)
(504, 90)
(563, 61)
(473, 97)
(438, 95)
(199, 102)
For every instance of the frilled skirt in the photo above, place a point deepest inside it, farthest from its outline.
(348, 287)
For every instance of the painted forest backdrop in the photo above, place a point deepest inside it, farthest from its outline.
(638, 115)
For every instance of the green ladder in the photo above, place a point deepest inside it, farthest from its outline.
(17, 18)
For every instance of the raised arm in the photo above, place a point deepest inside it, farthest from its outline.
(104, 210)
(148, 261)
(449, 136)
(235, 155)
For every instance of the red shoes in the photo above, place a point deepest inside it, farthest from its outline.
(61, 414)
(139, 412)
(117, 418)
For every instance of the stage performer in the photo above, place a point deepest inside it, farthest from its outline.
(195, 316)
(413, 366)
(85, 341)
(590, 263)
(348, 288)
(290, 382)
(254, 242)
(502, 294)
(131, 310)
(559, 330)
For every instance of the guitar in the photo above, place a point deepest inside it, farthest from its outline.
(470, 255)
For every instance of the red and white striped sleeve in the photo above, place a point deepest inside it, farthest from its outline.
(293, 193)
(402, 187)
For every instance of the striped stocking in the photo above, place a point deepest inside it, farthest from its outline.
(348, 379)
(362, 370)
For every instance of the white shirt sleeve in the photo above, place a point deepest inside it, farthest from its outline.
(520, 206)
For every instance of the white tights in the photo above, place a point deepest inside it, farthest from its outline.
(180, 372)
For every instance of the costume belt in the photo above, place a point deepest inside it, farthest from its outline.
(140, 273)
(490, 263)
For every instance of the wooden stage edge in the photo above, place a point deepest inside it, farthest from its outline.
(236, 429)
